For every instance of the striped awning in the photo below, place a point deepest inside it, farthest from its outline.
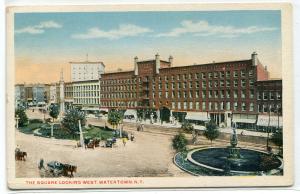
(272, 121)
(197, 116)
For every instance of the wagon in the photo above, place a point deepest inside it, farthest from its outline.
(56, 168)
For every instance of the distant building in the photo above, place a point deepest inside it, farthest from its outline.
(83, 71)
(86, 94)
(20, 95)
(54, 93)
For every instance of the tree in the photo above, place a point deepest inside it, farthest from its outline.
(71, 118)
(23, 119)
(211, 132)
(179, 142)
(277, 139)
(188, 127)
(54, 111)
(114, 118)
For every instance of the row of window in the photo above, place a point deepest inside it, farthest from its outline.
(86, 101)
(84, 88)
(86, 94)
(217, 74)
(271, 95)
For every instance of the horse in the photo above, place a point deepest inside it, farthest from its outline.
(20, 155)
(91, 144)
(97, 142)
(69, 168)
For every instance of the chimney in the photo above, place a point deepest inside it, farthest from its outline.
(135, 65)
(171, 60)
(157, 63)
(254, 58)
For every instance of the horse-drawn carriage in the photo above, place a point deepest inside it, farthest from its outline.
(59, 169)
(91, 142)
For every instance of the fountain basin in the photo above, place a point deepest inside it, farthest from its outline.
(216, 160)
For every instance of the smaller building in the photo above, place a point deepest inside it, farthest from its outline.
(86, 94)
(86, 70)
(20, 100)
(269, 104)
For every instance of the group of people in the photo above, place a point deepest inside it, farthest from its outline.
(125, 139)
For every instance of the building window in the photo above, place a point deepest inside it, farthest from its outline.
(235, 94)
(227, 105)
(227, 93)
(167, 94)
(243, 83)
(191, 105)
(210, 94)
(203, 75)
(210, 106)
(197, 106)
(216, 106)
(216, 74)
(173, 94)
(265, 95)
(278, 94)
(243, 94)
(228, 83)
(210, 75)
(216, 84)
(190, 76)
(184, 85)
(203, 94)
(197, 94)
(197, 84)
(222, 94)
(250, 73)
(179, 105)
(191, 94)
(203, 105)
(251, 93)
(173, 105)
(184, 94)
(235, 74)
(243, 73)
(191, 84)
(222, 106)
(235, 83)
(221, 83)
(203, 84)
(185, 105)
(243, 106)
(210, 84)
(251, 107)
(251, 82)
(228, 74)
(271, 96)
(235, 106)
(216, 94)
(222, 74)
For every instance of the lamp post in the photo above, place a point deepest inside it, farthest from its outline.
(17, 121)
(80, 133)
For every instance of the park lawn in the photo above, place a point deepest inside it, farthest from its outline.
(58, 132)
(99, 132)
(28, 129)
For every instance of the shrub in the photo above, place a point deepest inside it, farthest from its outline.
(211, 132)
(35, 121)
(179, 142)
(23, 119)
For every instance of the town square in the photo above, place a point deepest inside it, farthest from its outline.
(122, 99)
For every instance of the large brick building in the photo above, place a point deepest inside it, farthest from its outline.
(224, 91)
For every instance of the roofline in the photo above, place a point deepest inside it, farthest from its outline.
(87, 62)
(83, 81)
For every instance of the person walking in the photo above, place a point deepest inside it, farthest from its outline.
(41, 164)
(124, 141)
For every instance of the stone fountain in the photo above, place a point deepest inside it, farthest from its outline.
(234, 151)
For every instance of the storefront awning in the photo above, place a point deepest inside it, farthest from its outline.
(130, 112)
(104, 109)
(263, 120)
(197, 116)
(90, 108)
(243, 120)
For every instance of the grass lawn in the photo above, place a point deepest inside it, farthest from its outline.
(99, 132)
(28, 129)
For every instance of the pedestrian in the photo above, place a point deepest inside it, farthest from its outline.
(142, 127)
(131, 137)
(41, 164)
(124, 141)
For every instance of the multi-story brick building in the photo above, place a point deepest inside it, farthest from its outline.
(269, 104)
(223, 91)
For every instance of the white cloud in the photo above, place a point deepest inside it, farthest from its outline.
(39, 28)
(124, 30)
(203, 28)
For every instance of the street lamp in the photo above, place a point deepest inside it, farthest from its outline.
(17, 121)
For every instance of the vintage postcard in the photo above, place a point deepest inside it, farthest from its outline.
(149, 96)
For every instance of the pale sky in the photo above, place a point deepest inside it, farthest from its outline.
(46, 42)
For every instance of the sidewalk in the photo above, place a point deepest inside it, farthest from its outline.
(198, 127)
